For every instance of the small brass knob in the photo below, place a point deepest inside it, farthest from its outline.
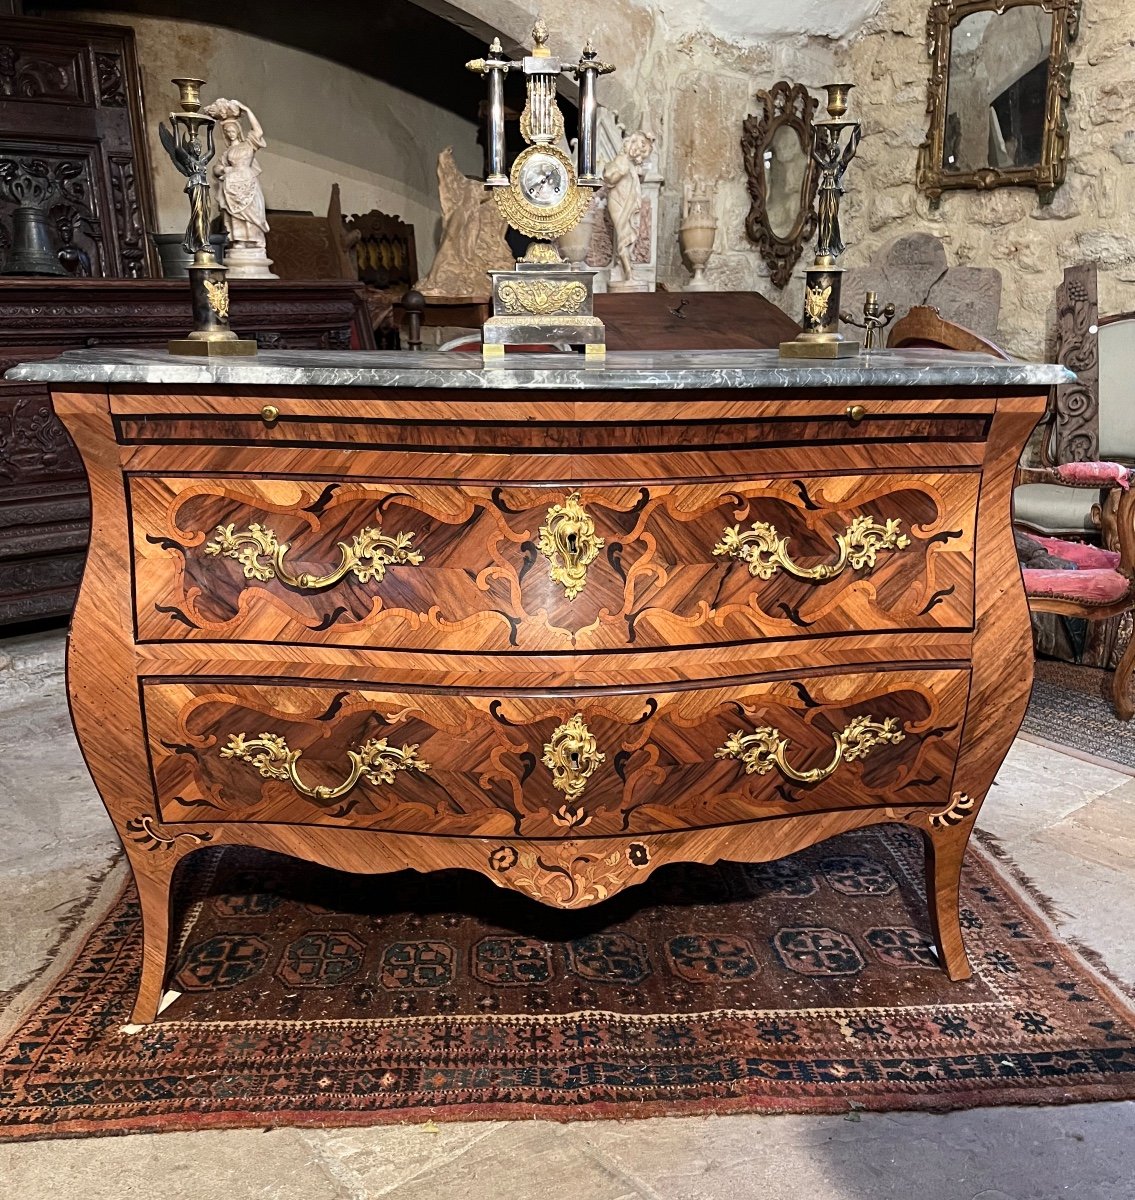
(270, 413)
(856, 413)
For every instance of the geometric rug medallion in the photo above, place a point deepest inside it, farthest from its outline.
(310, 997)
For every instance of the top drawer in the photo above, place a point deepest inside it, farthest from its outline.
(526, 436)
(551, 569)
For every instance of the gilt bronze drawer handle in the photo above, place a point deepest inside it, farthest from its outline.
(568, 542)
(572, 755)
(262, 556)
(374, 761)
(766, 552)
(766, 747)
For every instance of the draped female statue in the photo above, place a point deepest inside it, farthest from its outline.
(239, 194)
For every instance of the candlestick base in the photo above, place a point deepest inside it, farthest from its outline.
(820, 336)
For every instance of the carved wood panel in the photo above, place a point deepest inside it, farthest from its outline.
(493, 568)
(550, 766)
(1075, 433)
(71, 113)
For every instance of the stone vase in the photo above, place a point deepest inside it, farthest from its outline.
(575, 244)
(695, 239)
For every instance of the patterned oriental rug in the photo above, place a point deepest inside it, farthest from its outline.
(315, 998)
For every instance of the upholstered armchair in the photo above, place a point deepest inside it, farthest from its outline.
(1098, 582)
(1073, 499)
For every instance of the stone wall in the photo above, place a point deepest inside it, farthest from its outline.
(1090, 217)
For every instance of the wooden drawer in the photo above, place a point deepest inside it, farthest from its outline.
(534, 766)
(551, 569)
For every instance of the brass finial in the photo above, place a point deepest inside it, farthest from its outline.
(540, 38)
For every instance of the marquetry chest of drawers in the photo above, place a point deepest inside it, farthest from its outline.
(556, 623)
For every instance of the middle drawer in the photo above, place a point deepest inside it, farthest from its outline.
(552, 568)
(592, 764)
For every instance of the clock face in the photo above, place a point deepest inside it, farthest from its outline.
(543, 198)
(543, 181)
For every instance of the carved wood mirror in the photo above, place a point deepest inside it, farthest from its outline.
(777, 146)
(998, 86)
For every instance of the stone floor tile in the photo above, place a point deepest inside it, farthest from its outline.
(1038, 786)
(1101, 831)
(1082, 1152)
(211, 1165)
(472, 1161)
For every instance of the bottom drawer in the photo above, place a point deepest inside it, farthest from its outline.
(578, 765)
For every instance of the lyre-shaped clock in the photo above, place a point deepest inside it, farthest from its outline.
(544, 196)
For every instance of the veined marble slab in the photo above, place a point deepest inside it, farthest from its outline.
(623, 369)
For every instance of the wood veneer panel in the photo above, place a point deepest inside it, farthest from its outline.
(660, 767)
(963, 691)
(482, 583)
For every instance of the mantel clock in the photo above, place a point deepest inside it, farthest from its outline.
(543, 196)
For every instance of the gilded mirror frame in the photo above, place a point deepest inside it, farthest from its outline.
(1047, 175)
(784, 104)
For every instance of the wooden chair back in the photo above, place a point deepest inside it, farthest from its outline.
(384, 249)
(303, 246)
(925, 326)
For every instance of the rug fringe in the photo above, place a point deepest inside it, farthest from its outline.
(1093, 958)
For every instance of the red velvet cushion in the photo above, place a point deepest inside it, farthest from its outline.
(1084, 587)
(1085, 557)
(1095, 472)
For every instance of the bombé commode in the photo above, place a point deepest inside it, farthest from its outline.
(556, 623)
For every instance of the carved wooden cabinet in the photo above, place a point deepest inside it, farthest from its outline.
(554, 623)
(71, 119)
(44, 511)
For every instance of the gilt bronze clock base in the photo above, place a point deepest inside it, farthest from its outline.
(543, 301)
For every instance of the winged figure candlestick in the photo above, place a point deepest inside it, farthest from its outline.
(820, 336)
(190, 145)
(543, 299)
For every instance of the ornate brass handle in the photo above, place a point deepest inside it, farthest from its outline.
(766, 747)
(261, 554)
(568, 542)
(766, 552)
(374, 761)
(573, 756)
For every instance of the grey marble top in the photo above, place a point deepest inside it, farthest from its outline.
(623, 369)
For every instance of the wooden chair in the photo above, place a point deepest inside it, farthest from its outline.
(1101, 580)
(925, 326)
(303, 246)
(385, 251)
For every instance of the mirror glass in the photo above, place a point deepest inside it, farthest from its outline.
(785, 171)
(998, 83)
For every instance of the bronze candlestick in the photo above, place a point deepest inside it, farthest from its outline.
(875, 320)
(820, 336)
(208, 287)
